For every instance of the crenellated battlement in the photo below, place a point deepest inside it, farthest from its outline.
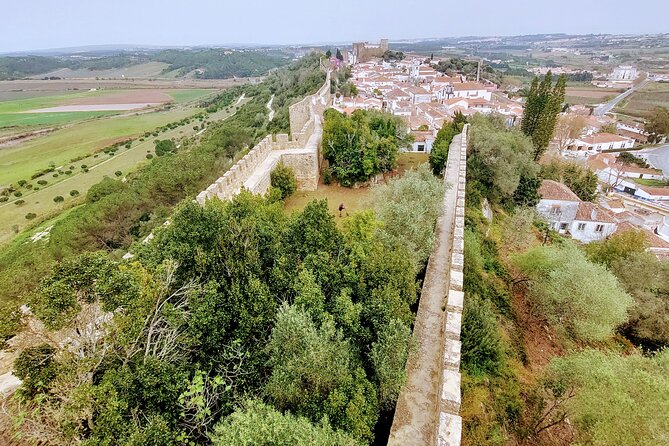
(299, 150)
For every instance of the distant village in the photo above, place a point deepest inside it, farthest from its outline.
(426, 99)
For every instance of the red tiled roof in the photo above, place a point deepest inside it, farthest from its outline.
(591, 212)
(552, 190)
(603, 138)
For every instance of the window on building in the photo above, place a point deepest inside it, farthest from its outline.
(581, 226)
(555, 210)
(421, 147)
(563, 226)
(599, 228)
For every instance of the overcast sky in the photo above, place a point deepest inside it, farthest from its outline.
(40, 24)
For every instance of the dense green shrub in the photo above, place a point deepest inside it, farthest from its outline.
(36, 368)
(283, 178)
(259, 424)
(581, 296)
(362, 145)
(74, 193)
(30, 216)
(58, 199)
(618, 400)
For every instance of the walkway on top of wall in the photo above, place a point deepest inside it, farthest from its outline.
(417, 413)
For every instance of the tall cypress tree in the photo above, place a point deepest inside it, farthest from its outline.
(543, 104)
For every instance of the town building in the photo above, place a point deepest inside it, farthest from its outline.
(600, 141)
(567, 214)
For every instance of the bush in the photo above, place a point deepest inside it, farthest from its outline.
(42, 182)
(283, 178)
(583, 297)
(618, 400)
(414, 197)
(19, 202)
(481, 342)
(18, 193)
(22, 183)
(118, 173)
(4, 198)
(74, 193)
(84, 166)
(326, 174)
(149, 156)
(58, 199)
(259, 424)
(36, 368)
(30, 216)
(85, 170)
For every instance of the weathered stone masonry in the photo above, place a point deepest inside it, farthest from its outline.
(301, 152)
(427, 411)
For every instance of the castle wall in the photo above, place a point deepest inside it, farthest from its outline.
(300, 150)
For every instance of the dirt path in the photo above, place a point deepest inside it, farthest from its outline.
(417, 412)
(269, 107)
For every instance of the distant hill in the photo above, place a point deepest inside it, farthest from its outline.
(205, 63)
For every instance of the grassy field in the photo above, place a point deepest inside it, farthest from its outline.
(15, 113)
(99, 166)
(639, 103)
(650, 182)
(20, 162)
(354, 199)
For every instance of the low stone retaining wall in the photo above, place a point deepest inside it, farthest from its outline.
(300, 151)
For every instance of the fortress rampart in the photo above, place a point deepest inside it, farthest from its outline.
(300, 151)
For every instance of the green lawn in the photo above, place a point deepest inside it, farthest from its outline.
(353, 199)
(651, 183)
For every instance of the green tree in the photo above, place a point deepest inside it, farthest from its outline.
(164, 147)
(612, 399)
(414, 197)
(657, 124)
(389, 356)
(583, 297)
(261, 425)
(543, 104)
(283, 178)
(36, 367)
(439, 152)
(498, 159)
(362, 145)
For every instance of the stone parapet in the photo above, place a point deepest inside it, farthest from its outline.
(299, 151)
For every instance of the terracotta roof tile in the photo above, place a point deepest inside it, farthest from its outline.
(552, 190)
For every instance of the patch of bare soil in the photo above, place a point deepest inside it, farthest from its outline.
(540, 342)
(13, 140)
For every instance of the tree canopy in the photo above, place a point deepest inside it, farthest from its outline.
(544, 102)
(361, 145)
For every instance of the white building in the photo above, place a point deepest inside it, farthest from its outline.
(624, 73)
(601, 141)
(567, 214)
(471, 90)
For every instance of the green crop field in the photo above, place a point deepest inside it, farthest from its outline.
(80, 139)
(640, 102)
(16, 113)
(99, 165)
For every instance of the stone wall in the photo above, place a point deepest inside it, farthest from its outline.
(449, 430)
(300, 150)
(429, 403)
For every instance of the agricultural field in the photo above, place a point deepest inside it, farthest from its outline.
(83, 142)
(639, 103)
(584, 93)
(52, 110)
